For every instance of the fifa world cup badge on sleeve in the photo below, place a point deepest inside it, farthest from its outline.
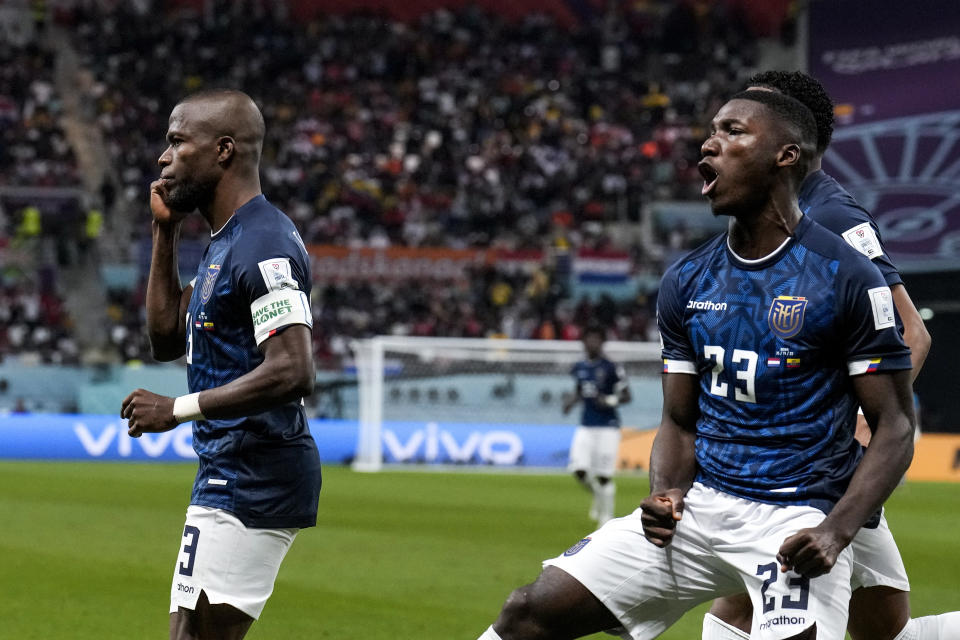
(881, 301)
(786, 315)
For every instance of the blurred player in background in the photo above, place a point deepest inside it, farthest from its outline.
(244, 324)
(602, 386)
(880, 605)
(756, 480)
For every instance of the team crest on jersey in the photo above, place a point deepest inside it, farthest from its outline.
(206, 290)
(576, 548)
(786, 315)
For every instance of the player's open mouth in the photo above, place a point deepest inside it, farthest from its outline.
(710, 176)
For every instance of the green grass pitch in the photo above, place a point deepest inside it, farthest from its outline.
(88, 550)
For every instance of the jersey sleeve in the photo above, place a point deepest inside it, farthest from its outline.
(872, 340)
(274, 277)
(675, 347)
(857, 227)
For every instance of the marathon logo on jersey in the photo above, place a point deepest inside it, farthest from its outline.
(277, 275)
(206, 290)
(785, 316)
(576, 548)
(881, 302)
(706, 305)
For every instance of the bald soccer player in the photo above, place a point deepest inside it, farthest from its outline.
(244, 325)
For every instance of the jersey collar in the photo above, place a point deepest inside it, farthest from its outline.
(773, 256)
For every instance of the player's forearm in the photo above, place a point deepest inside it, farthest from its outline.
(878, 474)
(284, 377)
(673, 461)
(915, 333)
(163, 294)
(916, 336)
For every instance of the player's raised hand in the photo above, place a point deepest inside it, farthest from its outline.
(147, 412)
(811, 552)
(162, 212)
(661, 513)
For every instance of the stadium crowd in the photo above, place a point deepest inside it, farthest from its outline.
(458, 130)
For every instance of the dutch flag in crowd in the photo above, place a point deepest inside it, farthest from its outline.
(602, 266)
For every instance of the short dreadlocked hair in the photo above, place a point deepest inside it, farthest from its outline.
(808, 90)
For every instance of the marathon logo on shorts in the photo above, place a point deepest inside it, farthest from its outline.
(783, 620)
(576, 548)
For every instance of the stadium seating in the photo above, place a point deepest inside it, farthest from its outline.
(458, 129)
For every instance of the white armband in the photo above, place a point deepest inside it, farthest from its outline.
(278, 309)
(187, 408)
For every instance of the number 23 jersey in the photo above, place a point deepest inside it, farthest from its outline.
(774, 342)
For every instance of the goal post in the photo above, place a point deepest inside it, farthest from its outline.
(491, 402)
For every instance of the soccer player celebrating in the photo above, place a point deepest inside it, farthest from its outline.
(757, 483)
(880, 605)
(244, 324)
(602, 386)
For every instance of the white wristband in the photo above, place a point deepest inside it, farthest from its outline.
(612, 400)
(187, 408)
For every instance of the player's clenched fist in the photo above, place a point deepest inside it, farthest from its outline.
(661, 512)
(162, 213)
(811, 552)
(147, 412)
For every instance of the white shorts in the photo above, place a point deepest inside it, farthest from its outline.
(876, 559)
(594, 450)
(230, 563)
(722, 545)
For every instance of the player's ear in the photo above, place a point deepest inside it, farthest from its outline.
(226, 149)
(789, 155)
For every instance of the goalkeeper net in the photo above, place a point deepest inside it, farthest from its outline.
(426, 388)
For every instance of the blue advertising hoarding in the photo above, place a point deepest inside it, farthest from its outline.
(103, 437)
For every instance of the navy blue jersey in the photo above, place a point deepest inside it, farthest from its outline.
(829, 204)
(774, 342)
(253, 281)
(596, 379)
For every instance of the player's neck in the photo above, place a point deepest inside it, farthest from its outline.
(230, 196)
(753, 237)
(816, 164)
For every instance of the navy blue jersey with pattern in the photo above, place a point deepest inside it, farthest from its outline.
(829, 204)
(596, 379)
(253, 281)
(774, 343)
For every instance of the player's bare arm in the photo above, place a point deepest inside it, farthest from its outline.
(570, 400)
(285, 375)
(166, 300)
(887, 403)
(915, 333)
(673, 463)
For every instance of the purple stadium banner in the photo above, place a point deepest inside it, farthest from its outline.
(893, 69)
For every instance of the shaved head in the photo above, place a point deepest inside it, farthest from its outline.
(227, 113)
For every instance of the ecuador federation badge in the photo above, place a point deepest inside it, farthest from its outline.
(208, 281)
(786, 315)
